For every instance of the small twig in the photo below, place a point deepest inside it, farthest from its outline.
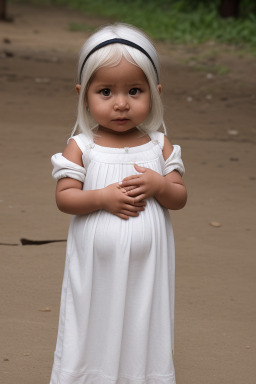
(11, 244)
(38, 242)
(25, 241)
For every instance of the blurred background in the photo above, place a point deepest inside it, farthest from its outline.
(179, 21)
(207, 53)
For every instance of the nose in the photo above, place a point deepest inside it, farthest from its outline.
(121, 103)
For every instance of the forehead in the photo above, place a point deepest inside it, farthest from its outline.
(124, 72)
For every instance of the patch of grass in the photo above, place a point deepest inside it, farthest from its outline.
(178, 21)
(205, 67)
(76, 27)
(221, 70)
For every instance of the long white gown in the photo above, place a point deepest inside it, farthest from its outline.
(117, 305)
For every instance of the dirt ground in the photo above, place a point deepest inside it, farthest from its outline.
(210, 110)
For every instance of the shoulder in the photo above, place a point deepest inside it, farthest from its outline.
(157, 137)
(77, 146)
(167, 149)
(73, 153)
(164, 143)
(82, 141)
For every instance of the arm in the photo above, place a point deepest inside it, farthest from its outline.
(70, 197)
(169, 190)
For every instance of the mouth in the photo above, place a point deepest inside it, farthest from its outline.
(121, 120)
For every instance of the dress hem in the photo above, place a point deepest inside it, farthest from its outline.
(98, 377)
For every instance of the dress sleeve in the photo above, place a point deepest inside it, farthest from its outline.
(82, 141)
(63, 167)
(174, 162)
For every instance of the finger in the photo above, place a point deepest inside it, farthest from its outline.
(140, 204)
(130, 213)
(139, 168)
(134, 208)
(122, 216)
(132, 204)
(135, 192)
(127, 189)
(129, 178)
(132, 183)
(128, 200)
(140, 197)
(139, 209)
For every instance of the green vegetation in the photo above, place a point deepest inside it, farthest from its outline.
(80, 27)
(178, 21)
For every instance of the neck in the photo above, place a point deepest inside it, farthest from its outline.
(108, 138)
(114, 133)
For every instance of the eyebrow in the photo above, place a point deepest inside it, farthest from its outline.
(104, 85)
(136, 84)
(108, 85)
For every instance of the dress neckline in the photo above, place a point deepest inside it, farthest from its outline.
(137, 148)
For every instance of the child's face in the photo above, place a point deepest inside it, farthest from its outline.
(119, 97)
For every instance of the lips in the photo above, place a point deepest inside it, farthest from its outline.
(121, 120)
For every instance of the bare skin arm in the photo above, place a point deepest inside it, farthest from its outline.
(70, 197)
(169, 190)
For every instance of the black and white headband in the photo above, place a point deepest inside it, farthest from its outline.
(120, 41)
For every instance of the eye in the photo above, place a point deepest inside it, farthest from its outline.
(105, 92)
(134, 91)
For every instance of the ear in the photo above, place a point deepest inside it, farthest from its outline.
(78, 88)
(159, 87)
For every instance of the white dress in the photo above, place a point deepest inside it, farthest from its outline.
(117, 304)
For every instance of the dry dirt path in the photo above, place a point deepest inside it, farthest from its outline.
(211, 116)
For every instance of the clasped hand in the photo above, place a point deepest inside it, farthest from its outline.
(143, 185)
(126, 199)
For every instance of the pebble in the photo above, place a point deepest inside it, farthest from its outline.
(42, 80)
(215, 224)
(46, 309)
(233, 132)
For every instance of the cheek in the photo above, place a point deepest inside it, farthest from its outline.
(97, 110)
(147, 106)
(91, 103)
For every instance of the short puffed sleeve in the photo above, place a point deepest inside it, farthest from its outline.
(63, 167)
(174, 162)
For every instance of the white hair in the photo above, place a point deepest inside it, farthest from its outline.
(111, 55)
